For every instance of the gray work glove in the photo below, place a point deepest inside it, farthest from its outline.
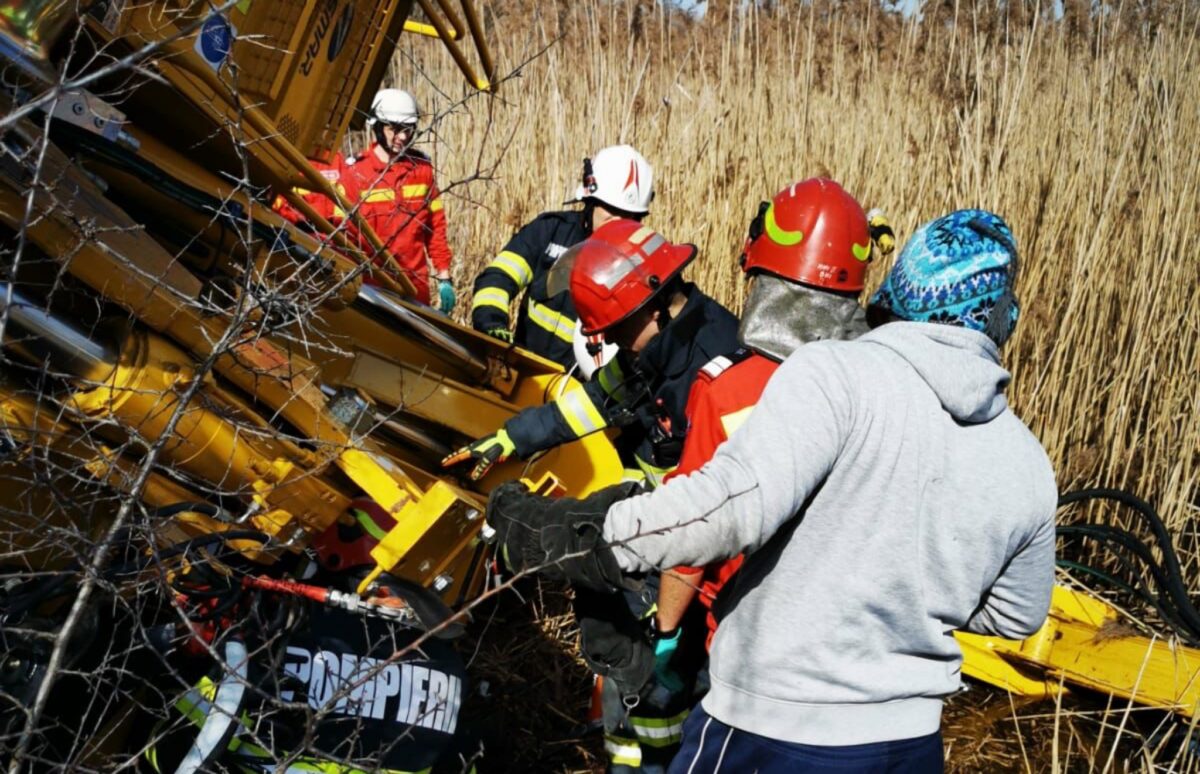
(560, 537)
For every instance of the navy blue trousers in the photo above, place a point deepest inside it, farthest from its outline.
(710, 746)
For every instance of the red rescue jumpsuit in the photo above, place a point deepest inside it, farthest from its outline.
(400, 201)
(721, 399)
(333, 171)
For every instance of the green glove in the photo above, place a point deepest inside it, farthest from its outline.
(665, 644)
(504, 334)
(486, 452)
(446, 296)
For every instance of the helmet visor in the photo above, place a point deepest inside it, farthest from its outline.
(607, 263)
(558, 280)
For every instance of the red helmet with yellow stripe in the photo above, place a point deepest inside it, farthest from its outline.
(616, 272)
(811, 232)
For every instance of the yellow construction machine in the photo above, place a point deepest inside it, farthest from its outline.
(225, 534)
(200, 397)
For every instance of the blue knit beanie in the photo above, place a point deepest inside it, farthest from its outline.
(958, 270)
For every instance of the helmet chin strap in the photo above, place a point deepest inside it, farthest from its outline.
(589, 207)
(380, 138)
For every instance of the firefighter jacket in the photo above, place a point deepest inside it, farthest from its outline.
(645, 396)
(399, 199)
(334, 172)
(545, 325)
(722, 398)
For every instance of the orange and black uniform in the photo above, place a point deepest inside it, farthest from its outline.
(400, 201)
(545, 324)
(721, 399)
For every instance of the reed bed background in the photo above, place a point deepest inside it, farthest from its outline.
(1077, 124)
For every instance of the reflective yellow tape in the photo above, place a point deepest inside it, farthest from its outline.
(559, 324)
(514, 266)
(731, 422)
(654, 474)
(491, 297)
(612, 381)
(368, 524)
(332, 767)
(623, 752)
(414, 191)
(778, 234)
(373, 195)
(301, 191)
(581, 414)
(436, 205)
(196, 705)
(659, 732)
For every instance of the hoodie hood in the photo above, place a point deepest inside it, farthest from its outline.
(780, 315)
(961, 366)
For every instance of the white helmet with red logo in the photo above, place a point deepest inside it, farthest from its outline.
(620, 177)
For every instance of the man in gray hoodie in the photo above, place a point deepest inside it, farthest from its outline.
(884, 495)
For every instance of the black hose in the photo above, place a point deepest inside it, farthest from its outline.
(194, 198)
(17, 605)
(1172, 573)
(1108, 536)
(190, 544)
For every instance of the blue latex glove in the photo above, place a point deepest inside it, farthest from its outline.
(664, 650)
(446, 296)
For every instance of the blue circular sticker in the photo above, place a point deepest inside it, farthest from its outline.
(216, 39)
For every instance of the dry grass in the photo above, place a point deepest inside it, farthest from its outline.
(1081, 134)
(1080, 131)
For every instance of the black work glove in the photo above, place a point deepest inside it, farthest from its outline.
(613, 642)
(561, 537)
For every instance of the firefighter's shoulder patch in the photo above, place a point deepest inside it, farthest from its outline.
(722, 363)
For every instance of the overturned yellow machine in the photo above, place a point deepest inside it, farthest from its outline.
(216, 424)
(220, 432)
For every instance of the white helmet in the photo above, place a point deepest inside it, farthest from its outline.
(393, 106)
(620, 177)
(591, 352)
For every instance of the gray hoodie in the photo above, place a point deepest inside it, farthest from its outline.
(885, 496)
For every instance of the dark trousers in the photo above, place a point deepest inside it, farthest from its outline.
(644, 738)
(710, 746)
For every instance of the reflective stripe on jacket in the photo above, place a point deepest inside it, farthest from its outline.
(545, 325)
(401, 202)
(334, 172)
(645, 396)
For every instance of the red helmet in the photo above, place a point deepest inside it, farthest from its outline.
(811, 232)
(613, 273)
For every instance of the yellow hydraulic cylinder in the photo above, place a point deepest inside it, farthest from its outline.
(142, 395)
